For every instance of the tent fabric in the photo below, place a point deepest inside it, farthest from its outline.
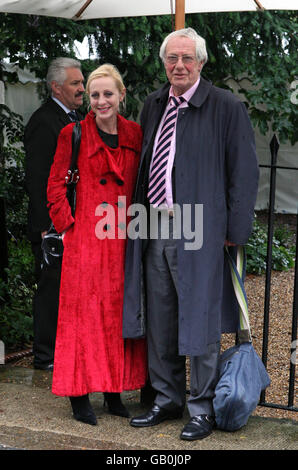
(286, 180)
(24, 75)
(116, 8)
(21, 97)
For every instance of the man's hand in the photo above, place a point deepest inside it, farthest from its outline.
(43, 233)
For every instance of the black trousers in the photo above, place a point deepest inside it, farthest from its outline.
(45, 309)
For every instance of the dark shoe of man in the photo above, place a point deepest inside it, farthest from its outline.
(155, 416)
(198, 427)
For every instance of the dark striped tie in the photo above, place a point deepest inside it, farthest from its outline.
(157, 180)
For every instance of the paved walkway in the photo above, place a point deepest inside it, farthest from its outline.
(32, 418)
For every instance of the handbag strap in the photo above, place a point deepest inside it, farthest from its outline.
(73, 173)
(237, 274)
(76, 140)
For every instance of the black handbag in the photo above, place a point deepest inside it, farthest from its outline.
(52, 244)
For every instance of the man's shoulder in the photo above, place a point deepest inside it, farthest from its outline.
(159, 94)
(45, 124)
(224, 94)
(46, 111)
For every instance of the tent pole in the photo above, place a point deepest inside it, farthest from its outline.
(81, 11)
(180, 14)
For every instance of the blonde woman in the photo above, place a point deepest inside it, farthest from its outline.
(90, 353)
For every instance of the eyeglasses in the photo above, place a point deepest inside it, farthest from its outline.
(186, 59)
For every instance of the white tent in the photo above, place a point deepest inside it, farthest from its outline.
(87, 9)
(22, 96)
(286, 180)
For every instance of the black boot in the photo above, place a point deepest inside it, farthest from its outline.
(82, 409)
(115, 404)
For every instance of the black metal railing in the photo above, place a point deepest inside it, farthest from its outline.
(274, 147)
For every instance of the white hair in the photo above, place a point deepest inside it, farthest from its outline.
(56, 70)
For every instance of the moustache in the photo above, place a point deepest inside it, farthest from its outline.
(80, 93)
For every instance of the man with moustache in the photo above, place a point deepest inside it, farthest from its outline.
(65, 84)
(198, 149)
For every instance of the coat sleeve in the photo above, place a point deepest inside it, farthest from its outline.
(242, 174)
(59, 208)
(40, 145)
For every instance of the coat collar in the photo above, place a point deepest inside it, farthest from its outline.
(197, 99)
(51, 104)
(201, 93)
(58, 110)
(126, 135)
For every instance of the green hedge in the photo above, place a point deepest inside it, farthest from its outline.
(283, 249)
(16, 325)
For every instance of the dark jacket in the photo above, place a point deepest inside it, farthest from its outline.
(216, 166)
(40, 141)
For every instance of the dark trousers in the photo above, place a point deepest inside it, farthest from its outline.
(45, 309)
(166, 367)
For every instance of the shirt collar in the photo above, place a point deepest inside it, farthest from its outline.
(188, 94)
(66, 109)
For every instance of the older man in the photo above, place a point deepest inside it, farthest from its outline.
(65, 84)
(199, 162)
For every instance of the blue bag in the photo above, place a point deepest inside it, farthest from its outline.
(242, 374)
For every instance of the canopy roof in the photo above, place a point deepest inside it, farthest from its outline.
(88, 9)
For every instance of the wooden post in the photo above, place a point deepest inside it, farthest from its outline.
(3, 232)
(180, 14)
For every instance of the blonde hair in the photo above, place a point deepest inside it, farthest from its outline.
(106, 70)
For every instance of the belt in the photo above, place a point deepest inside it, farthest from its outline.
(170, 212)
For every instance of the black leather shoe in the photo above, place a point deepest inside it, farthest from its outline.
(155, 416)
(115, 405)
(48, 367)
(82, 409)
(198, 427)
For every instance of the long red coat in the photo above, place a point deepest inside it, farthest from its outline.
(90, 353)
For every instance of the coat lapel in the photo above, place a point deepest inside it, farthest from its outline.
(59, 112)
(201, 93)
